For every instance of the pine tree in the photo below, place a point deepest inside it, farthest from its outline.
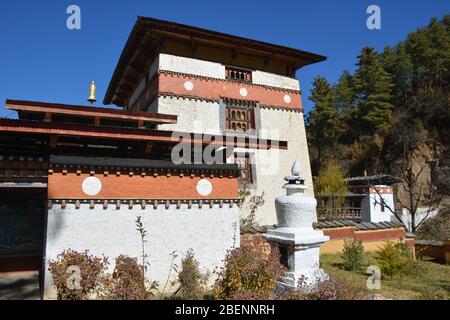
(343, 99)
(418, 46)
(388, 59)
(402, 75)
(373, 87)
(438, 65)
(343, 95)
(323, 120)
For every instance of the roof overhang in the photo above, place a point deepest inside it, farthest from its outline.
(86, 111)
(147, 35)
(381, 179)
(135, 134)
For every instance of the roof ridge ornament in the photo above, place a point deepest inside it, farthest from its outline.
(92, 90)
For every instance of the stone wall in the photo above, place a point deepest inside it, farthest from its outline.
(371, 239)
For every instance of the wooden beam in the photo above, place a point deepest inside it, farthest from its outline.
(48, 117)
(53, 141)
(149, 147)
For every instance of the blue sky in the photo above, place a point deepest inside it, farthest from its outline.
(41, 60)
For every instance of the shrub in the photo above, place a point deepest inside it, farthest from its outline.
(92, 274)
(431, 293)
(393, 258)
(248, 269)
(192, 281)
(353, 254)
(127, 281)
(329, 289)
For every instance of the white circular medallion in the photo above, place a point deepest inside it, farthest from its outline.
(91, 186)
(287, 98)
(243, 92)
(188, 86)
(204, 187)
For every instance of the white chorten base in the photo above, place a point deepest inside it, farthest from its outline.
(303, 254)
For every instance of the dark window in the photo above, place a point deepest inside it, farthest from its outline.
(245, 167)
(284, 256)
(240, 118)
(238, 74)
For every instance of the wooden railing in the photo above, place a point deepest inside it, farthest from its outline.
(238, 74)
(348, 213)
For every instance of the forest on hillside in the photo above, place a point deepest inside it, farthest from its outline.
(393, 111)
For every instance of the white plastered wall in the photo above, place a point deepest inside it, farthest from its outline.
(216, 70)
(371, 208)
(274, 80)
(193, 115)
(273, 165)
(207, 117)
(191, 66)
(210, 232)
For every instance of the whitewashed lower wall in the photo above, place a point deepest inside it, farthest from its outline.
(210, 232)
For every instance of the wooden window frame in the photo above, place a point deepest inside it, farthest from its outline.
(248, 167)
(239, 119)
(238, 74)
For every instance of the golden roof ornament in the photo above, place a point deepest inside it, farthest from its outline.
(92, 89)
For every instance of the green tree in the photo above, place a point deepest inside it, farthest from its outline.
(343, 99)
(352, 254)
(373, 94)
(388, 58)
(331, 185)
(323, 121)
(402, 75)
(419, 46)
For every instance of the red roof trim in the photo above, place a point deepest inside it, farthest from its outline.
(106, 132)
(35, 106)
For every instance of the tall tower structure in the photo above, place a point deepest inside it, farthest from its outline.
(220, 84)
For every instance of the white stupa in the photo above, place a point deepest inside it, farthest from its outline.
(298, 242)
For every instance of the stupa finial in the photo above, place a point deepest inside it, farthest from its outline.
(295, 168)
(295, 181)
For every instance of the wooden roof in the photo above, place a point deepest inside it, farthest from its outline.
(358, 225)
(136, 134)
(145, 42)
(380, 179)
(88, 111)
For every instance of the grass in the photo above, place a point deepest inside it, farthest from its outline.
(423, 279)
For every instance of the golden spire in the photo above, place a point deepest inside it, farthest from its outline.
(92, 90)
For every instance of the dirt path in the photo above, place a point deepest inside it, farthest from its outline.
(19, 286)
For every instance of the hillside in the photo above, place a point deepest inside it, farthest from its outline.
(392, 114)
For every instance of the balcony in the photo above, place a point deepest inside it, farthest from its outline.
(238, 74)
(347, 213)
